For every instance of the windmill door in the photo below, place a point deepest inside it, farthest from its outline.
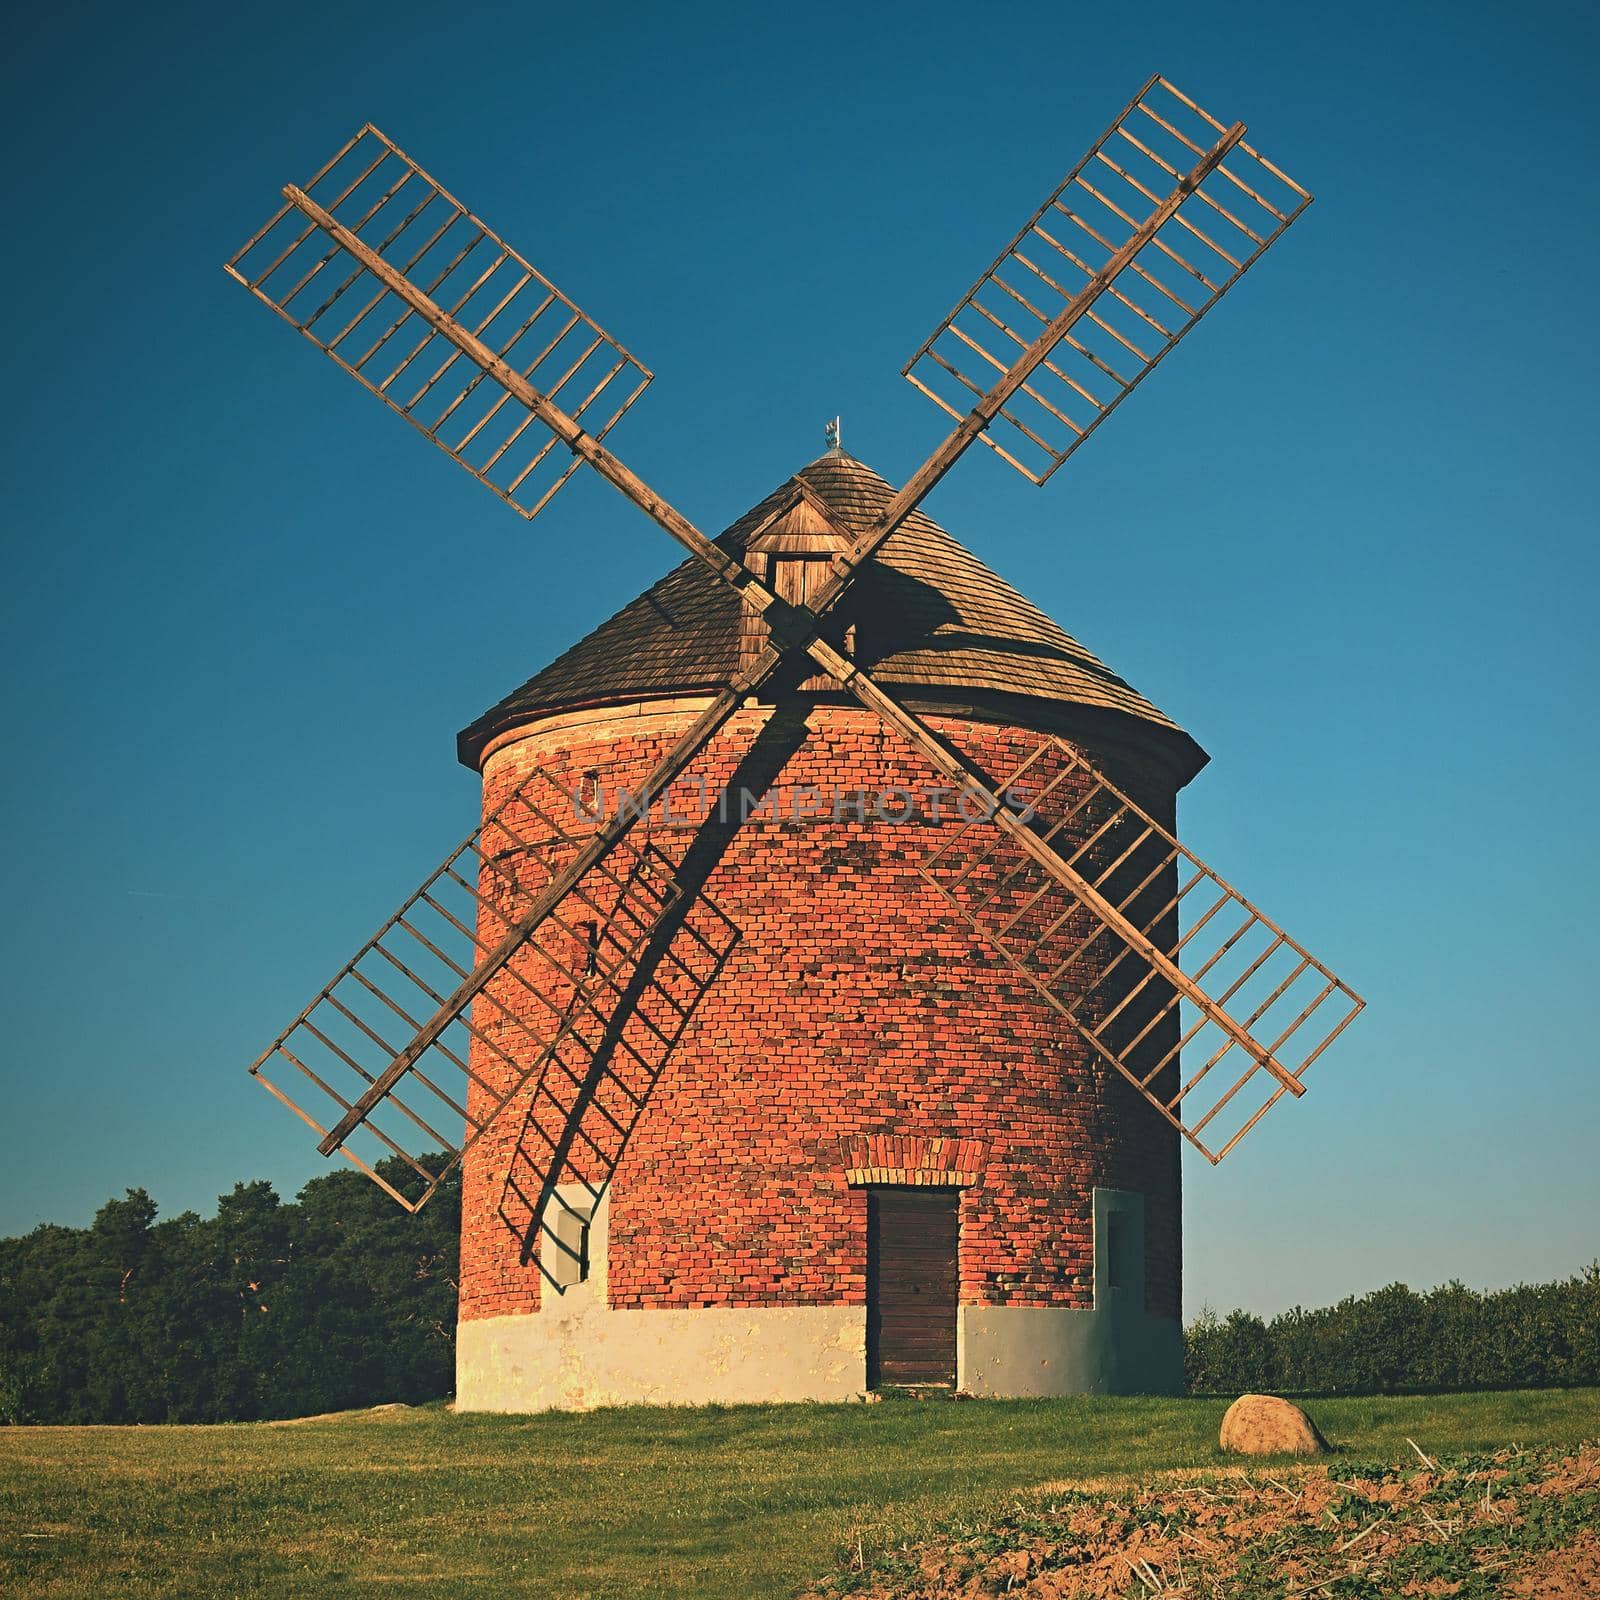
(913, 1238)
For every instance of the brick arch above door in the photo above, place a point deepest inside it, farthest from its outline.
(902, 1158)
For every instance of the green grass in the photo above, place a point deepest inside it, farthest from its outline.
(742, 1502)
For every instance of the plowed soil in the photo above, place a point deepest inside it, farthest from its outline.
(1517, 1523)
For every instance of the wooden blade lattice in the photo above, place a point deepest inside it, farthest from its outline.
(1232, 216)
(1250, 1023)
(414, 225)
(578, 1022)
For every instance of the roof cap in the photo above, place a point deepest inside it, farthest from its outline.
(934, 624)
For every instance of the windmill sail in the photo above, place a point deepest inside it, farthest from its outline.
(390, 206)
(1162, 216)
(567, 1035)
(1259, 1009)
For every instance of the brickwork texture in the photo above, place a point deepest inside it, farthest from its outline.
(847, 1022)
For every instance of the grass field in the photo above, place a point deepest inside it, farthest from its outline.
(743, 1502)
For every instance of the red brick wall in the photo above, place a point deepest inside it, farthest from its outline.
(855, 1003)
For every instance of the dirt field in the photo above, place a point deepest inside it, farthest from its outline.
(1517, 1523)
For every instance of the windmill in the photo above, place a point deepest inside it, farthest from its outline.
(519, 1009)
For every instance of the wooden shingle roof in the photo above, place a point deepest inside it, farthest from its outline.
(932, 620)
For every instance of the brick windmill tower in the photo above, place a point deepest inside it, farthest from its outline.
(824, 997)
(870, 1124)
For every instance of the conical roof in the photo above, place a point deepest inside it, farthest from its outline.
(935, 625)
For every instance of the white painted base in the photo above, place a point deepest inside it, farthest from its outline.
(715, 1355)
(1013, 1352)
(575, 1358)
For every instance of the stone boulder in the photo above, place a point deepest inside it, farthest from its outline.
(1263, 1425)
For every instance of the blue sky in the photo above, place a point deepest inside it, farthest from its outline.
(1346, 536)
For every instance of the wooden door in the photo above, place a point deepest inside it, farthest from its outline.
(912, 1279)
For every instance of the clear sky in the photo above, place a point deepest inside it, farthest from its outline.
(1346, 536)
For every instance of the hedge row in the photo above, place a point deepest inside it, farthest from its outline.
(1453, 1337)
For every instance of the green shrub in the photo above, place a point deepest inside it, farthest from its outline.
(1453, 1337)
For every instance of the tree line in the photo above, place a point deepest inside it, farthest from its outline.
(1543, 1335)
(267, 1309)
(338, 1299)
